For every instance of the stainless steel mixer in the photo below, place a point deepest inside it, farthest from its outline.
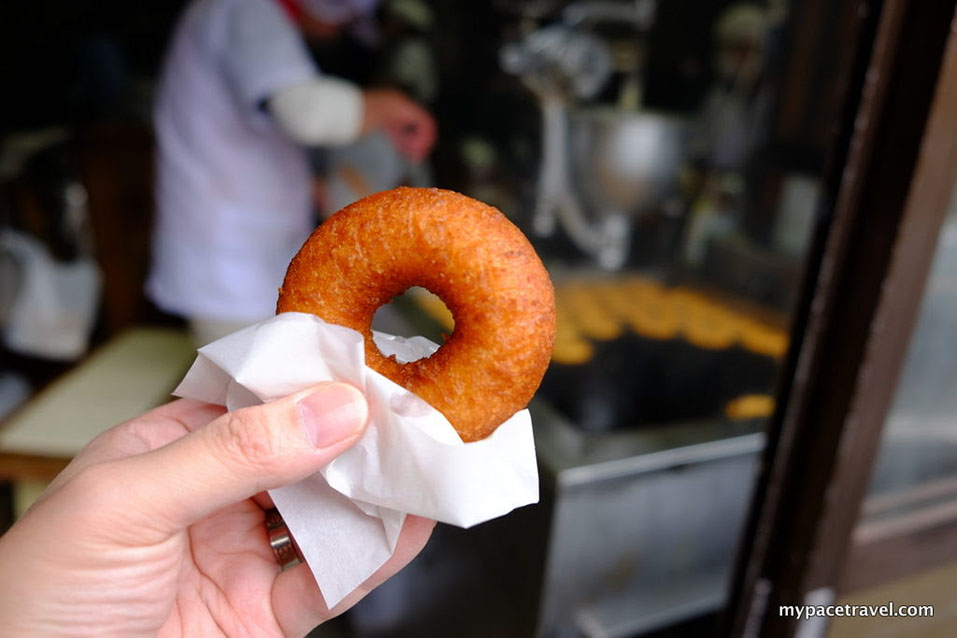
(625, 162)
(601, 165)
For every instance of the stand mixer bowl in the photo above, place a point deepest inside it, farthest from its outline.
(625, 162)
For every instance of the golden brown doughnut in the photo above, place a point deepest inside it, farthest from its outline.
(468, 254)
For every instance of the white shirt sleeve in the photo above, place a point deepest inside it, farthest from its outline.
(324, 111)
(262, 52)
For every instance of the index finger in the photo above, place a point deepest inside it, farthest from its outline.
(149, 431)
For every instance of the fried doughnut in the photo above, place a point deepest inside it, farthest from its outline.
(468, 254)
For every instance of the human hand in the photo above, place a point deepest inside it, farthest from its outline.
(158, 526)
(410, 127)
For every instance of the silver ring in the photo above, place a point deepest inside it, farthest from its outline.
(283, 545)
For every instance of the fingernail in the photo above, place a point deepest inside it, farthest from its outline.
(333, 413)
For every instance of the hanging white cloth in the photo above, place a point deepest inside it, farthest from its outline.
(49, 307)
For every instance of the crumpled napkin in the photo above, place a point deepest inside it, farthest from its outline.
(346, 518)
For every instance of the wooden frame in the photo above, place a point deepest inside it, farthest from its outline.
(886, 549)
(888, 188)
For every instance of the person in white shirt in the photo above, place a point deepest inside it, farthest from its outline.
(238, 100)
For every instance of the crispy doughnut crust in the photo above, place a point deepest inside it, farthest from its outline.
(474, 259)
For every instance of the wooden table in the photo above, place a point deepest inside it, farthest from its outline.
(130, 374)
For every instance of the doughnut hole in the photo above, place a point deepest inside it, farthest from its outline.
(387, 318)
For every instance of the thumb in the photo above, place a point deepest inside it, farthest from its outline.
(241, 454)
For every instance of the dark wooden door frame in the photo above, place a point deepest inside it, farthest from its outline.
(886, 195)
(886, 549)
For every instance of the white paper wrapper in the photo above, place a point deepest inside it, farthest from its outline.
(346, 519)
